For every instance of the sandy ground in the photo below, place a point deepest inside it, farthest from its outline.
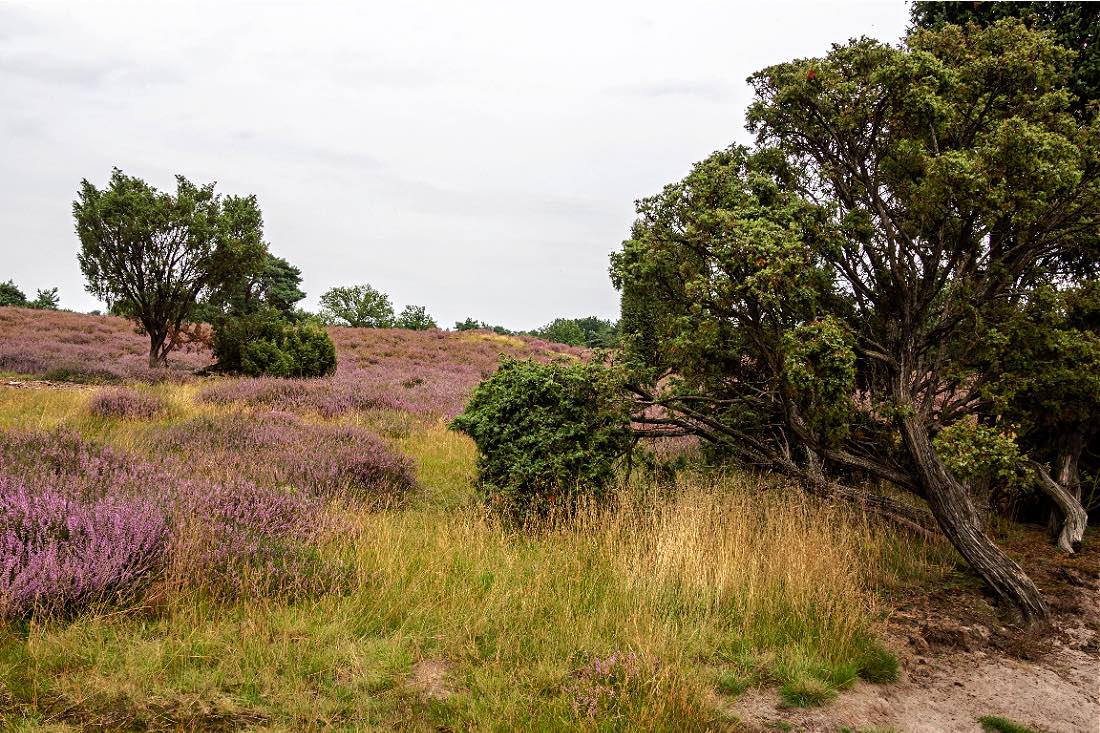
(954, 672)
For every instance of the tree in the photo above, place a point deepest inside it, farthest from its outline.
(562, 331)
(151, 254)
(415, 318)
(812, 291)
(46, 300)
(10, 294)
(274, 283)
(1075, 25)
(357, 306)
(470, 324)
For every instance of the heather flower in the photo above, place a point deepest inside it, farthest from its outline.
(600, 688)
(121, 403)
(60, 552)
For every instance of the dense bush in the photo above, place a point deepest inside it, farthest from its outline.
(124, 403)
(547, 434)
(61, 551)
(265, 343)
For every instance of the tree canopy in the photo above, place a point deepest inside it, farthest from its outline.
(150, 254)
(357, 306)
(799, 303)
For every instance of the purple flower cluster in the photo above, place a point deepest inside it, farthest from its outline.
(97, 506)
(598, 688)
(281, 449)
(121, 403)
(60, 345)
(60, 551)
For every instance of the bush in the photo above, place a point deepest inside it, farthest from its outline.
(62, 552)
(547, 434)
(122, 403)
(265, 343)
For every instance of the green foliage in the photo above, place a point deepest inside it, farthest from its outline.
(274, 283)
(415, 318)
(472, 324)
(10, 294)
(1075, 25)
(151, 254)
(263, 342)
(46, 300)
(591, 331)
(997, 724)
(820, 368)
(357, 306)
(547, 434)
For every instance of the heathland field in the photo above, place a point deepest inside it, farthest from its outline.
(262, 554)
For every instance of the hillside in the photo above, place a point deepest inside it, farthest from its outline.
(265, 554)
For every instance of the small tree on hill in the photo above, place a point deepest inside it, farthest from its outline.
(46, 300)
(151, 254)
(415, 318)
(357, 306)
(10, 294)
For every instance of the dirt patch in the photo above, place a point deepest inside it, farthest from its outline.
(43, 384)
(962, 658)
(428, 678)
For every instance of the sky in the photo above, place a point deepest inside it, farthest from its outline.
(479, 158)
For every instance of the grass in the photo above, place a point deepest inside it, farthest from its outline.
(715, 586)
(997, 724)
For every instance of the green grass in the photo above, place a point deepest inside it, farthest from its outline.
(997, 724)
(717, 587)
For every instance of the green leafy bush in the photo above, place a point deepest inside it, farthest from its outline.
(265, 343)
(547, 434)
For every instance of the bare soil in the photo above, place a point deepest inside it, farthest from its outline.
(961, 659)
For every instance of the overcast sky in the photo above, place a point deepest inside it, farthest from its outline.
(481, 159)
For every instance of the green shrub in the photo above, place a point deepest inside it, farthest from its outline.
(547, 434)
(264, 343)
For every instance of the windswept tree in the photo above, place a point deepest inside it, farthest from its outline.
(274, 283)
(799, 305)
(150, 254)
(357, 306)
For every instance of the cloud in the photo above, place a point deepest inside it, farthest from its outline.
(710, 90)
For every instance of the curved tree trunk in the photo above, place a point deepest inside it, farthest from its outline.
(960, 521)
(1072, 520)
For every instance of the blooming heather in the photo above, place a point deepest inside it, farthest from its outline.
(121, 403)
(71, 498)
(282, 449)
(60, 551)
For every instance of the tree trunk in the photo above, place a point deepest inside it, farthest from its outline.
(1073, 518)
(960, 521)
(1066, 475)
(157, 358)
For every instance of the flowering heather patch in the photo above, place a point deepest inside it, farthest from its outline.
(121, 403)
(282, 449)
(600, 687)
(242, 523)
(60, 551)
(80, 347)
(422, 372)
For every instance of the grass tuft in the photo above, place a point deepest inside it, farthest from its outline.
(997, 724)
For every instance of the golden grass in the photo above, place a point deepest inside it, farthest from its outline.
(722, 583)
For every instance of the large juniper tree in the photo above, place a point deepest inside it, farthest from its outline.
(798, 305)
(150, 254)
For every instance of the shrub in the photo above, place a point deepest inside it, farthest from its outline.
(547, 434)
(121, 403)
(265, 343)
(61, 551)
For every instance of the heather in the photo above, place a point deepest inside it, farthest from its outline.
(323, 562)
(79, 507)
(78, 347)
(281, 449)
(122, 402)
